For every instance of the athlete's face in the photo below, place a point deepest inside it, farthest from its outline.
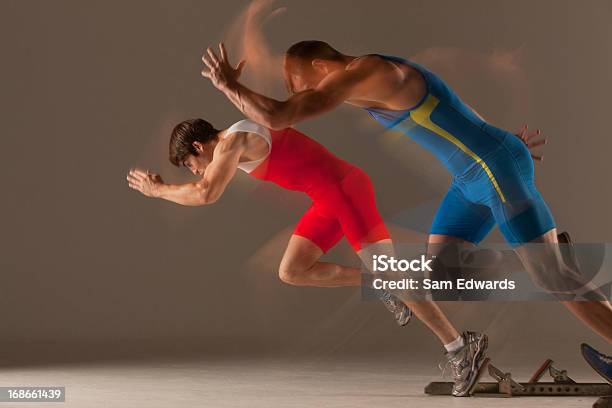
(300, 76)
(198, 164)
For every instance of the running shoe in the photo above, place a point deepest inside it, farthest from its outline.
(402, 313)
(468, 363)
(599, 361)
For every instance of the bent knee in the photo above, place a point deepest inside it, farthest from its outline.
(290, 273)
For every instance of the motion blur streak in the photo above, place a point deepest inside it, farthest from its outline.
(245, 40)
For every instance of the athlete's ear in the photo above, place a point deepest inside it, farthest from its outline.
(199, 147)
(320, 66)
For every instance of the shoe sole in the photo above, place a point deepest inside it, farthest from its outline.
(481, 370)
(583, 348)
(478, 366)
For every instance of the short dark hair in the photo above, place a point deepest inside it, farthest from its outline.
(313, 49)
(183, 136)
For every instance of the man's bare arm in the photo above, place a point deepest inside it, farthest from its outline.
(205, 191)
(299, 107)
(275, 114)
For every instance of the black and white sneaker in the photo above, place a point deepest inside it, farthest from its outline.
(402, 313)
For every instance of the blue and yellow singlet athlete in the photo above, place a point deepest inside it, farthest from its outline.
(493, 170)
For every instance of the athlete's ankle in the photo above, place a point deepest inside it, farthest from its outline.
(455, 345)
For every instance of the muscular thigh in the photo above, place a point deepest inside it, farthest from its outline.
(314, 235)
(319, 227)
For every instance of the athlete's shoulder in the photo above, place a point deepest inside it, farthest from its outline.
(242, 134)
(370, 62)
(376, 72)
(247, 126)
(362, 63)
(229, 142)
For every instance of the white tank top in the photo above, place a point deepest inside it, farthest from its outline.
(249, 126)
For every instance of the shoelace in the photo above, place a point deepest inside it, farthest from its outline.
(394, 305)
(443, 367)
(386, 298)
(455, 367)
(390, 302)
(605, 359)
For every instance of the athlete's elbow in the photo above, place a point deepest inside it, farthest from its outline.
(207, 198)
(204, 197)
(277, 116)
(274, 121)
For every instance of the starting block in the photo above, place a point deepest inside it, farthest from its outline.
(505, 386)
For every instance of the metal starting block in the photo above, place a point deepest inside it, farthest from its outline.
(506, 386)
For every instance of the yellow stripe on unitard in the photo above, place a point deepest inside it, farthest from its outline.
(422, 116)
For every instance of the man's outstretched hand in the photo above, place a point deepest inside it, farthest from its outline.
(144, 181)
(219, 71)
(531, 140)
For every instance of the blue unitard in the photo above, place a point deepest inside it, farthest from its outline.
(493, 174)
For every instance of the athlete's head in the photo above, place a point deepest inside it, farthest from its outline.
(308, 62)
(192, 144)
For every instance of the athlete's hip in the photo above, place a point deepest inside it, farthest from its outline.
(508, 155)
(503, 176)
(354, 188)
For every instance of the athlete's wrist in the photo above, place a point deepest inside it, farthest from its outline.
(229, 88)
(157, 190)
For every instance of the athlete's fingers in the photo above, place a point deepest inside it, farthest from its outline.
(131, 174)
(208, 63)
(521, 132)
(134, 185)
(533, 134)
(537, 158)
(206, 74)
(138, 173)
(213, 56)
(536, 143)
(223, 52)
(135, 177)
(133, 181)
(240, 66)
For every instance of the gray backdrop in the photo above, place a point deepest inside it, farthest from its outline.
(91, 269)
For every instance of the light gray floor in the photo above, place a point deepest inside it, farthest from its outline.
(259, 383)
